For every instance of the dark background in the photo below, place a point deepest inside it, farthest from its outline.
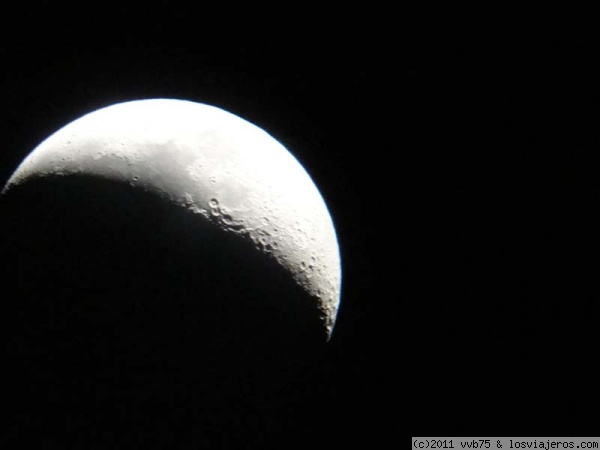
(459, 163)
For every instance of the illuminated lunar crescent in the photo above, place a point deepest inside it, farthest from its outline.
(222, 173)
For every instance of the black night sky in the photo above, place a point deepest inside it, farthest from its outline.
(459, 167)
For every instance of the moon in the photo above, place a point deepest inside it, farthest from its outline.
(206, 221)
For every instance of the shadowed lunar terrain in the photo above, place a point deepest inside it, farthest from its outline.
(125, 302)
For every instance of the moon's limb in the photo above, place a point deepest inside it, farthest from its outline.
(225, 170)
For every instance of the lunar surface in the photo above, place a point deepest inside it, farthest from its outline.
(173, 269)
(185, 193)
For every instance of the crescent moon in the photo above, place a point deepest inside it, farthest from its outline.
(226, 174)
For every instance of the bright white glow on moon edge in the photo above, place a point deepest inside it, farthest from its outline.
(215, 164)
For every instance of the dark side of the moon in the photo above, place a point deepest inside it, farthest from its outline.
(125, 311)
